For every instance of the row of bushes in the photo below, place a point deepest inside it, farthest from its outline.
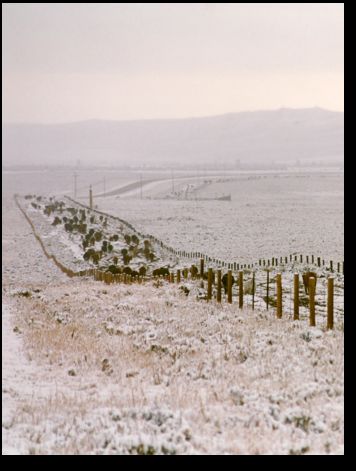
(77, 223)
(115, 270)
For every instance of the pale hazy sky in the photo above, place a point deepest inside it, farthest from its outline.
(67, 62)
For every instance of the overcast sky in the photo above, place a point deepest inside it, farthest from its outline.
(67, 62)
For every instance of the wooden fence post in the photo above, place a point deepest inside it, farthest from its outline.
(279, 295)
(312, 281)
(296, 297)
(241, 289)
(330, 311)
(253, 290)
(210, 281)
(331, 266)
(229, 286)
(267, 289)
(338, 267)
(307, 258)
(218, 292)
(318, 261)
(178, 276)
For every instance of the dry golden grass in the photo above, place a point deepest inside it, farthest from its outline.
(242, 381)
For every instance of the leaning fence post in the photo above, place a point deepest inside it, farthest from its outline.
(229, 286)
(241, 289)
(330, 311)
(279, 295)
(218, 292)
(312, 281)
(210, 281)
(296, 297)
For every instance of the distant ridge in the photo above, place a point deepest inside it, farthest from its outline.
(282, 135)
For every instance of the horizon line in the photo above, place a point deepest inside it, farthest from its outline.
(266, 110)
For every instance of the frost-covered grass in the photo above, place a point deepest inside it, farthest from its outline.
(92, 368)
(141, 369)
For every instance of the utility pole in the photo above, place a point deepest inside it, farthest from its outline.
(90, 198)
(75, 184)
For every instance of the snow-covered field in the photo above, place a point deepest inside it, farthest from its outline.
(92, 368)
(143, 369)
(270, 215)
(67, 247)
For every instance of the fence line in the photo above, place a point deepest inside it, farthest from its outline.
(220, 263)
(109, 278)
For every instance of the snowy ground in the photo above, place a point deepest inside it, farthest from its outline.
(143, 369)
(269, 215)
(91, 368)
(67, 247)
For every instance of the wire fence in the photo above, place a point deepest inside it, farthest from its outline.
(266, 285)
